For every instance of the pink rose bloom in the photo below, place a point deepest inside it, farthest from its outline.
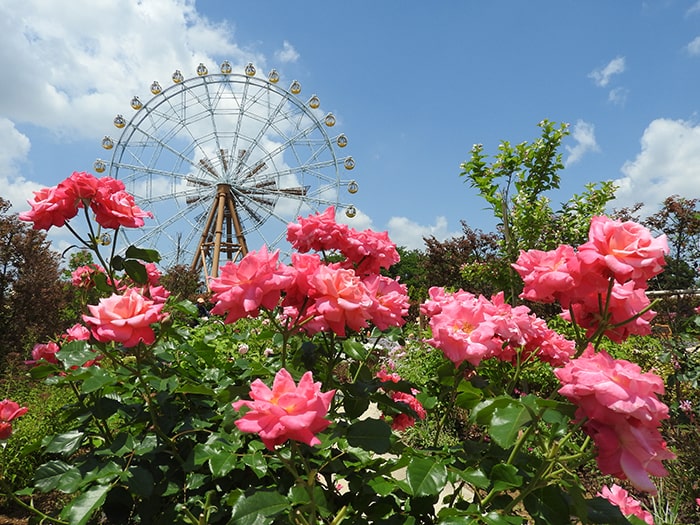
(113, 210)
(605, 387)
(44, 352)
(626, 301)
(83, 276)
(548, 275)
(125, 319)
(9, 410)
(439, 297)
(626, 249)
(462, 332)
(83, 185)
(390, 306)
(339, 299)
(51, 207)
(628, 505)
(369, 251)
(287, 411)
(630, 451)
(401, 422)
(317, 232)
(77, 332)
(153, 274)
(623, 414)
(386, 377)
(243, 288)
(159, 294)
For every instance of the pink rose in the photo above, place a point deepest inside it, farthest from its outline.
(9, 410)
(623, 414)
(83, 276)
(44, 352)
(626, 249)
(403, 421)
(317, 232)
(83, 185)
(243, 288)
(124, 318)
(77, 332)
(390, 305)
(115, 209)
(627, 504)
(369, 251)
(287, 411)
(548, 275)
(339, 300)
(51, 207)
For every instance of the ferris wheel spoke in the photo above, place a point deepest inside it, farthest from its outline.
(161, 227)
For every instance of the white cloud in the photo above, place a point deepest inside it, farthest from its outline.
(668, 164)
(407, 233)
(14, 151)
(694, 46)
(583, 134)
(602, 76)
(695, 8)
(287, 53)
(618, 96)
(70, 68)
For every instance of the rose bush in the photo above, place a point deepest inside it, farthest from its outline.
(298, 416)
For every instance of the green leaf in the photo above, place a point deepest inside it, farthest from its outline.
(548, 505)
(370, 434)
(141, 482)
(355, 350)
(254, 509)
(223, 463)
(506, 423)
(425, 477)
(601, 511)
(65, 444)
(101, 282)
(193, 388)
(79, 511)
(56, 475)
(256, 462)
(494, 518)
(117, 263)
(132, 252)
(476, 477)
(75, 353)
(97, 379)
(505, 476)
(136, 270)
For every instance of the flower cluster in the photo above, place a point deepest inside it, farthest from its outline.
(46, 352)
(285, 411)
(621, 412)
(470, 328)
(317, 296)
(611, 269)
(627, 504)
(112, 205)
(9, 410)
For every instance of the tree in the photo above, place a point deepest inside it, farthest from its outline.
(679, 219)
(31, 293)
(183, 282)
(514, 185)
(470, 262)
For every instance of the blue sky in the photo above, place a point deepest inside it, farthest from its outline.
(413, 87)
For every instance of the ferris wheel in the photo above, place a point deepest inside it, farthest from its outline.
(224, 161)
